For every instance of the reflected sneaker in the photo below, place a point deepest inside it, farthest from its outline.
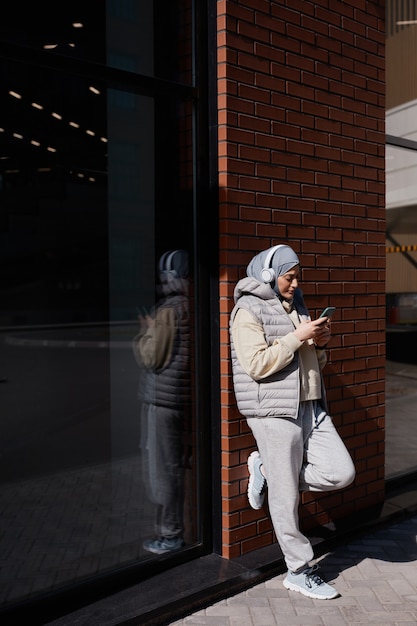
(310, 584)
(257, 481)
(162, 545)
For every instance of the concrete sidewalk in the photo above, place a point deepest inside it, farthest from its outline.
(375, 574)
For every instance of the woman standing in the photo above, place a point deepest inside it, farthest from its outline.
(278, 354)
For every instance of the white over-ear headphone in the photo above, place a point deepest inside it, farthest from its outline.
(165, 263)
(267, 273)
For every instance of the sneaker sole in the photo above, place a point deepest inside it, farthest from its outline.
(161, 550)
(309, 594)
(251, 479)
(156, 550)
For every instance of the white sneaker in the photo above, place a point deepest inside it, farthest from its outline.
(310, 584)
(257, 481)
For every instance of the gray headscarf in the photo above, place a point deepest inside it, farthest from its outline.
(281, 259)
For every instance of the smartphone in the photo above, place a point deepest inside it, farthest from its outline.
(328, 311)
(142, 311)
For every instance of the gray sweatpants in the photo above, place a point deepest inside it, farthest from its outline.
(163, 466)
(306, 454)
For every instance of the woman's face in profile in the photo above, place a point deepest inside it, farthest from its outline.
(288, 282)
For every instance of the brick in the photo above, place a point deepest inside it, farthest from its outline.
(302, 157)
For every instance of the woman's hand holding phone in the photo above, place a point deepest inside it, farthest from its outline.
(323, 332)
(328, 311)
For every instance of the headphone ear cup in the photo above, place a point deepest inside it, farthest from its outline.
(267, 274)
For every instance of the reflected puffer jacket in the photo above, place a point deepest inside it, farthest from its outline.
(168, 384)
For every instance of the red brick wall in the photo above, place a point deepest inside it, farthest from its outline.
(301, 160)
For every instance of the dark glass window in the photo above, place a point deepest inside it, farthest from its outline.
(97, 197)
(150, 37)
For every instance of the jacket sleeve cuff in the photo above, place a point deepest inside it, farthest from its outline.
(293, 344)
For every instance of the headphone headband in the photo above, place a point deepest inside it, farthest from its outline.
(165, 262)
(271, 254)
(169, 261)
